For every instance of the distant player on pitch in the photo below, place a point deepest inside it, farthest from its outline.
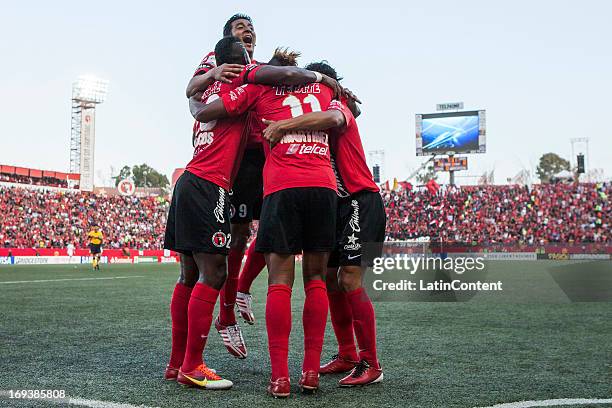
(95, 245)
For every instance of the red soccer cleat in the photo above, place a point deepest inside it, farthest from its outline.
(279, 388)
(203, 377)
(171, 373)
(232, 339)
(362, 374)
(309, 382)
(337, 365)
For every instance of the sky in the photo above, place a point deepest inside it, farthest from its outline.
(541, 69)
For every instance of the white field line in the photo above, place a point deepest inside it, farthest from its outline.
(71, 279)
(101, 404)
(77, 401)
(552, 403)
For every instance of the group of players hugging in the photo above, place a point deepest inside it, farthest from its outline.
(279, 143)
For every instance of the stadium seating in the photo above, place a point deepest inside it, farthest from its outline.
(52, 219)
(473, 214)
(502, 214)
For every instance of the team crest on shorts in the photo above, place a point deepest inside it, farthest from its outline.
(219, 239)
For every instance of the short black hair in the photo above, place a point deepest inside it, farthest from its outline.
(223, 51)
(324, 68)
(227, 28)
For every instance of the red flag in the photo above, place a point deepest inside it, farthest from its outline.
(432, 186)
(406, 185)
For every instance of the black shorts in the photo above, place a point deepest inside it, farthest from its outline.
(298, 219)
(95, 249)
(246, 196)
(360, 230)
(199, 217)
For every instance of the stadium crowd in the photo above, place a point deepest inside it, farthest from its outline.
(470, 214)
(509, 214)
(40, 181)
(52, 219)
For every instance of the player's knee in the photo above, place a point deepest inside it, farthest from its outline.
(240, 236)
(280, 279)
(189, 271)
(188, 280)
(215, 276)
(331, 280)
(313, 275)
(349, 278)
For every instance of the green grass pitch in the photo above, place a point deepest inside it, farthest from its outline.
(108, 340)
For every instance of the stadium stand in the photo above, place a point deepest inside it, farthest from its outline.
(544, 213)
(52, 219)
(559, 213)
(35, 177)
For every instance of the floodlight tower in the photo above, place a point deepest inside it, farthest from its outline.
(87, 92)
(377, 158)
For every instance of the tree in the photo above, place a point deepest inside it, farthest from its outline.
(551, 164)
(146, 176)
(124, 173)
(426, 173)
(143, 176)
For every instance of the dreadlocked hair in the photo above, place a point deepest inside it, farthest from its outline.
(284, 57)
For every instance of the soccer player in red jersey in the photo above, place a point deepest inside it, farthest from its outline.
(298, 215)
(361, 220)
(246, 195)
(198, 227)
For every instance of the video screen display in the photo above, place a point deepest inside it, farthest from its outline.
(456, 132)
(454, 163)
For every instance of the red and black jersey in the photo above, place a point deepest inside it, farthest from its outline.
(299, 159)
(349, 155)
(219, 144)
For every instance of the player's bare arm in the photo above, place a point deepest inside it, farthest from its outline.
(310, 121)
(265, 75)
(224, 73)
(205, 112)
(273, 75)
(351, 103)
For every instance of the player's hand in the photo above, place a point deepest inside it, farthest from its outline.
(350, 95)
(334, 85)
(273, 132)
(227, 72)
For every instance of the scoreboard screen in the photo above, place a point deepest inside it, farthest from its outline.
(450, 133)
(451, 164)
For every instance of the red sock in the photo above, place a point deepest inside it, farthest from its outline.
(314, 318)
(200, 315)
(342, 320)
(178, 313)
(364, 322)
(227, 299)
(278, 325)
(253, 265)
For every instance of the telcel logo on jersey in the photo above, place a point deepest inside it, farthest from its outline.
(298, 143)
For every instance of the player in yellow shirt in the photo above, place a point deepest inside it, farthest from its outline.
(95, 245)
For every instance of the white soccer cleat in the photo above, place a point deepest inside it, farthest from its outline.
(232, 339)
(244, 301)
